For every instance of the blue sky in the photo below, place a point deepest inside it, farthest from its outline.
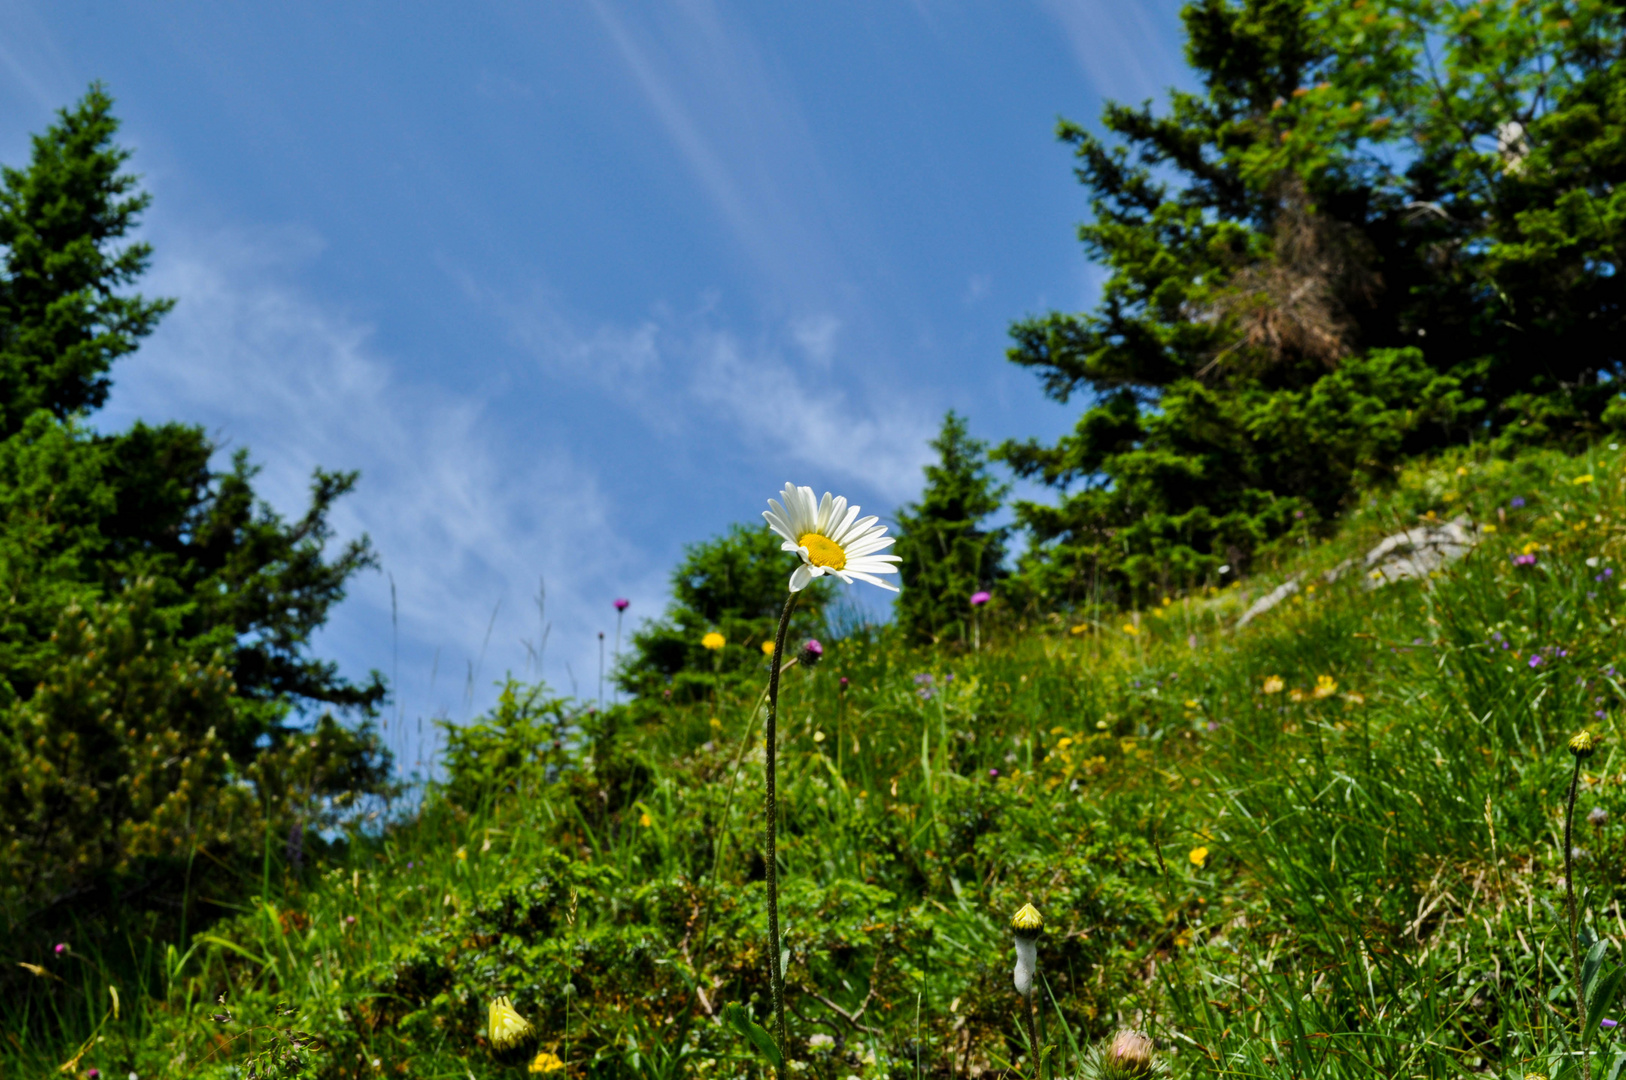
(576, 283)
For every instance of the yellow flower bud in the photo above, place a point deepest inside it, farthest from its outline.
(506, 1027)
(1028, 920)
(1582, 744)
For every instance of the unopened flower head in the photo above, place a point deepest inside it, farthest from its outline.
(812, 652)
(713, 641)
(622, 603)
(1128, 1057)
(831, 538)
(1027, 922)
(1582, 744)
(507, 1028)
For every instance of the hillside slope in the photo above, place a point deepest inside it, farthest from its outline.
(1327, 844)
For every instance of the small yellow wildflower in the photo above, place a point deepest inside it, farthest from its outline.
(1461, 471)
(547, 1062)
(1199, 857)
(1530, 549)
(1325, 686)
(1064, 744)
(1192, 703)
(767, 648)
(506, 1027)
(1131, 629)
(1355, 698)
(713, 641)
(645, 820)
(463, 854)
(1028, 920)
(1079, 629)
(1487, 528)
(1295, 694)
(1274, 684)
(1583, 479)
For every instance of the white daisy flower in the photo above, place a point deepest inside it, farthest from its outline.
(831, 538)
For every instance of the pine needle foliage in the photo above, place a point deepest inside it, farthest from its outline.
(161, 713)
(949, 550)
(1376, 229)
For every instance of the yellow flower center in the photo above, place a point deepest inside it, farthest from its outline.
(823, 551)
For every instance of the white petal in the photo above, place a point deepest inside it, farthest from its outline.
(873, 580)
(860, 548)
(873, 565)
(843, 530)
(799, 579)
(777, 524)
(806, 512)
(838, 511)
(864, 524)
(823, 519)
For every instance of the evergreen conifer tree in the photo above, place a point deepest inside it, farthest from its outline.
(948, 551)
(1378, 228)
(157, 692)
(733, 585)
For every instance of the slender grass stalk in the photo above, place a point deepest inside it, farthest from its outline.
(770, 830)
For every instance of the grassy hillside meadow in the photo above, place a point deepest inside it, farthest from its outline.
(1327, 845)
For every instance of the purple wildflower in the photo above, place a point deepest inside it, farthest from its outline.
(923, 679)
(1535, 660)
(62, 948)
(993, 774)
(1518, 501)
(621, 603)
(980, 598)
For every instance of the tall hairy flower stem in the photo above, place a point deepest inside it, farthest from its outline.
(1581, 746)
(770, 829)
(1025, 925)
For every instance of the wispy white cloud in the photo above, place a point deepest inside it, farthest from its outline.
(806, 415)
(1124, 49)
(461, 517)
(739, 132)
(790, 394)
